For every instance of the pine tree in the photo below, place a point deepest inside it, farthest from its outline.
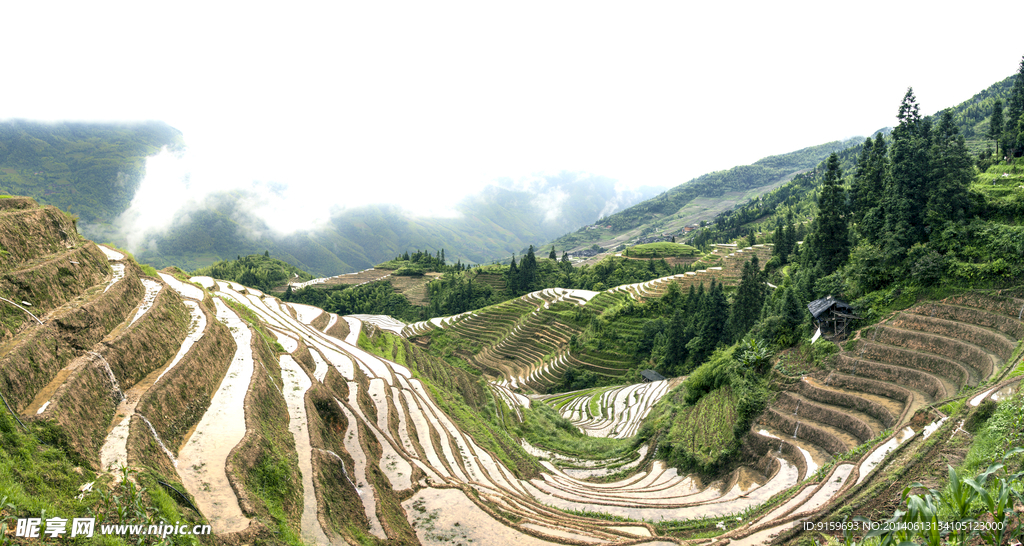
(750, 295)
(552, 255)
(859, 203)
(830, 241)
(906, 187)
(951, 176)
(870, 197)
(785, 239)
(709, 329)
(995, 124)
(528, 271)
(512, 278)
(672, 297)
(675, 352)
(1014, 114)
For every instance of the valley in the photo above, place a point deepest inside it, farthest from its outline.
(766, 354)
(279, 419)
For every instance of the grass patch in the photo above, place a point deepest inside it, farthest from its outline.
(543, 427)
(271, 479)
(660, 250)
(40, 480)
(1001, 432)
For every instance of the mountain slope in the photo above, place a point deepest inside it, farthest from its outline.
(680, 206)
(89, 169)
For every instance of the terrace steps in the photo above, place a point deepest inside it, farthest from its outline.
(860, 425)
(829, 438)
(36, 359)
(813, 455)
(919, 356)
(929, 386)
(978, 362)
(879, 409)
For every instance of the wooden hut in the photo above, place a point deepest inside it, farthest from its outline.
(831, 316)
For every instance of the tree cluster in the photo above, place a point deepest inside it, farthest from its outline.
(257, 271)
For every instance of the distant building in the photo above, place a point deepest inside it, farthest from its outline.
(650, 376)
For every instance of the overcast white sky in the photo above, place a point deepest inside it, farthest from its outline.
(393, 101)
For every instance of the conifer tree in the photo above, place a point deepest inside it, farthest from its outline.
(1012, 141)
(709, 328)
(951, 176)
(512, 278)
(672, 297)
(906, 188)
(750, 295)
(870, 197)
(995, 124)
(791, 311)
(675, 352)
(552, 255)
(785, 239)
(830, 240)
(859, 203)
(528, 271)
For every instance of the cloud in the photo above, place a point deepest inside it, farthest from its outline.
(551, 203)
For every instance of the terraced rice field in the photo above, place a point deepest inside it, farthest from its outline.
(390, 444)
(453, 458)
(524, 344)
(730, 257)
(202, 460)
(916, 358)
(611, 412)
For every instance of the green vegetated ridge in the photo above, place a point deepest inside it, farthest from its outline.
(668, 212)
(89, 169)
(258, 271)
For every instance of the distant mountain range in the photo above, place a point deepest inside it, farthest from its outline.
(94, 171)
(492, 224)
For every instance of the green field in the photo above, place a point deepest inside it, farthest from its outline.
(660, 250)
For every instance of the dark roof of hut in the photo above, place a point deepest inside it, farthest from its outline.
(819, 306)
(652, 375)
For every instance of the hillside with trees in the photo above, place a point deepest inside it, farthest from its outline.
(91, 170)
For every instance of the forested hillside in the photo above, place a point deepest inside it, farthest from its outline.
(667, 213)
(89, 169)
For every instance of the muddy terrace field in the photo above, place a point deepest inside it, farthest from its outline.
(280, 421)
